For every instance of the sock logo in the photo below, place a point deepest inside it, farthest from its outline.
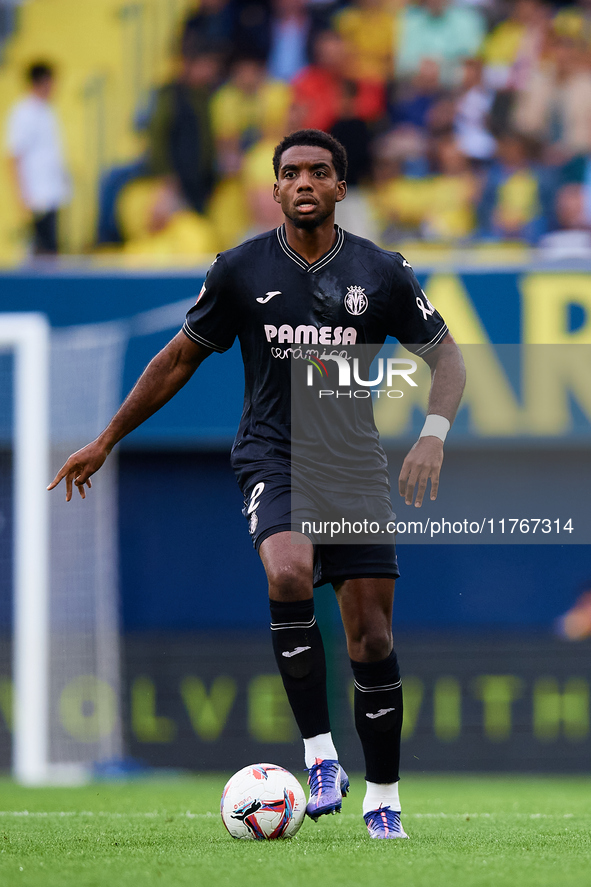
(288, 654)
(378, 714)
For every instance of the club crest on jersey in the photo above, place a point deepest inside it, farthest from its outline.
(355, 300)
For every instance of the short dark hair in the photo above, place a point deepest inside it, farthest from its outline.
(39, 71)
(314, 138)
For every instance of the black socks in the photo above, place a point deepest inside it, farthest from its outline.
(378, 716)
(299, 652)
(298, 648)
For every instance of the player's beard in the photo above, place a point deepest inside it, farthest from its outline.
(308, 223)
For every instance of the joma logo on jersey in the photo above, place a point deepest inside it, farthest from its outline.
(356, 301)
(307, 334)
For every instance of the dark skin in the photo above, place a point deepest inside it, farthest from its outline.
(308, 189)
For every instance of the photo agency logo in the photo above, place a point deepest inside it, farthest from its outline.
(346, 379)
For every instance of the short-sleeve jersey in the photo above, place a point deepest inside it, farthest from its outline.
(266, 295)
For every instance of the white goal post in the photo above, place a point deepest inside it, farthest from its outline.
(28, 337)
(63, 385)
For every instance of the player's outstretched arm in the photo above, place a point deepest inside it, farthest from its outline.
(423, 462)
(166, 374)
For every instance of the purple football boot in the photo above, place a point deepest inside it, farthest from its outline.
(328, 786)
(384, 823)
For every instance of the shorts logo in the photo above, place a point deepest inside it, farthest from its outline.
(356, 300)
(251, 512)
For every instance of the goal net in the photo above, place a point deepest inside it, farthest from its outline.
(59, 633)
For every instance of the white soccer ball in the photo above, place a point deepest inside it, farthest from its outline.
(263, 802)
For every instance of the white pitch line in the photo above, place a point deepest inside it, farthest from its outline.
(210, 815)
(106, 813)
(481, 815)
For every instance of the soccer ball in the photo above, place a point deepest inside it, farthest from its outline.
(263, 802)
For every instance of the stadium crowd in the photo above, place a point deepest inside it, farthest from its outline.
(464, 120)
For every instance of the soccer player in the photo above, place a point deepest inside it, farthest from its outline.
(301, 275)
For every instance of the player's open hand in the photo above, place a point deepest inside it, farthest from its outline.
(422, 462)
(79, 468)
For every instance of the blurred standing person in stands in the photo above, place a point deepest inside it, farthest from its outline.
(290, 31)
(36, 159)
(250, 106)
(411, 101)
(555, 104)
(517, 201)
(369, 29)
(440, 30)
(213, 22)
(355, 135)
(472, 114)
(181, 146)
(318, 90)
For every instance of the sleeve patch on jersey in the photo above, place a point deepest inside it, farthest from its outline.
(201, 291)
(426, 308)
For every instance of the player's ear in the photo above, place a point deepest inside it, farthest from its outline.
(276, 195)
(341, 191)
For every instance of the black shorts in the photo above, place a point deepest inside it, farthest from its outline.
(269, 509)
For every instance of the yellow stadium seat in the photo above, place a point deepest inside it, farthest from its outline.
(134, 207)
(228, 212)
(187, 236)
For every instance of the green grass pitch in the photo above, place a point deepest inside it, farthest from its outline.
(465, 831)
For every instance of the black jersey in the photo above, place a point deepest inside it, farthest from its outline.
(268, 296)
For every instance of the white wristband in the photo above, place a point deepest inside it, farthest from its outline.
(435, 426)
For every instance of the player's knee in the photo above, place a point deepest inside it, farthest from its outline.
(371, 645)
(289, 583)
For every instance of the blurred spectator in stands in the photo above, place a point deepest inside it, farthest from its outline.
(452, 192)
(247, 108)
(518, 193)
(575, 21)
(442, 115)
(318, 89)
(555, 104)
(212, 24)
(514, 46)
(253, 27)
(368, 28)
(399, 196)
(291, 27)
(510, 53)
(572, 239)
(257, 179)
(471, 119)
(8, 19)
(354, 133)
(439, 30)
(413, 99)
(181, 146)
(485, 5)
(354, 213)
(36, 160)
